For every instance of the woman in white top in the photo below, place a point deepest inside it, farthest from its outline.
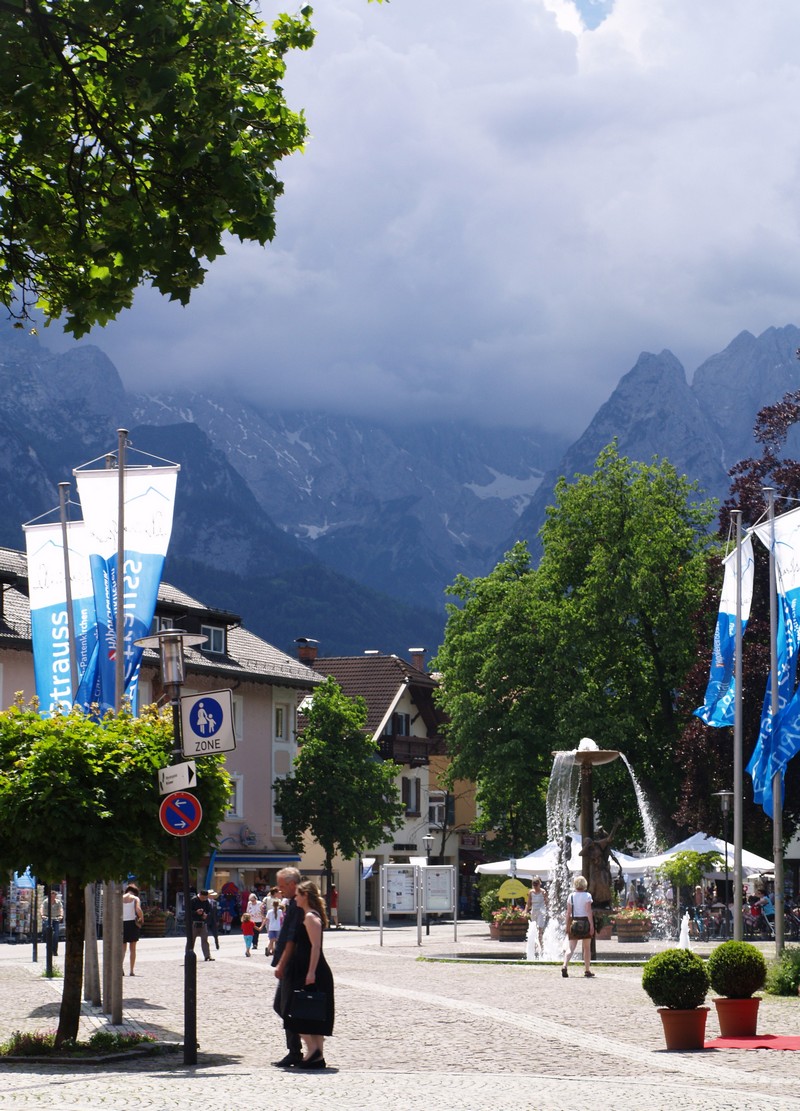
(132, 922)
(580, 924)
(537, 907)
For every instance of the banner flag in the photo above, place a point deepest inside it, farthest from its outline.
(149, 500)
(720, 696)
(47, 588)
(775, 738)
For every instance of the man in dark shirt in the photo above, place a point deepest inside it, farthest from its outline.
(201, 912)
(288, 879)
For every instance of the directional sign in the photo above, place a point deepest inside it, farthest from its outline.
(177, 777)
(207, 723)
(180, 813)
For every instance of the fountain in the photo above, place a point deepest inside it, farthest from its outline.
(570, 803)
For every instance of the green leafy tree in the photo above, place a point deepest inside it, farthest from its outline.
(595, 642)
(340, 791)
(488, 663)
(79, 801)
(133, 136)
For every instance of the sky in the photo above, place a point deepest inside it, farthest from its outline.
(502, 203)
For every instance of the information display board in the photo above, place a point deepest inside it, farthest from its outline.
(438, 889)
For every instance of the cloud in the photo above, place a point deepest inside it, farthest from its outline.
(501, 205)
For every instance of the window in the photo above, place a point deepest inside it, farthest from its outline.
(410, 787)
(284, 723)
(441, 809)
(215, 637)
(236, 801)
(160, 624)
(398, 725)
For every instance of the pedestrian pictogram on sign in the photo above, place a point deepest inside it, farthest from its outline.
(180, 813)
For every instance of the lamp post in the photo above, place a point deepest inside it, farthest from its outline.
(170, 644)
(725, 799)
(427, 841)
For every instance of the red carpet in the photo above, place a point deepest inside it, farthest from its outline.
(760, 1041)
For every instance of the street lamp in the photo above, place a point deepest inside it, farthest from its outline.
(170, 644)
(427, 841)
(725, 799)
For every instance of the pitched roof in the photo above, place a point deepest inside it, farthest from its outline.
(247, 656)
(378, 680)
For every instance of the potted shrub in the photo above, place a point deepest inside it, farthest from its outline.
(737, 969)
(509, 923)
(633, 924)
(677, 981)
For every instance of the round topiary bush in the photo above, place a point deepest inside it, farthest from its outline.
(737, 969)
(676, 979)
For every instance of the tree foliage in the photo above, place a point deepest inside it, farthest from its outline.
(79, 801)
(340, 791)
(595, 642)
(133, 136)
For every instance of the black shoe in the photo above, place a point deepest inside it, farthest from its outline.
(208, 958)
(564, 973)
(290, 1061)
(315, 1061)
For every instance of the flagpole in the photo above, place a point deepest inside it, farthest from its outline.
(119, 670)
(63, 497)
(738, 761)
(777, 801)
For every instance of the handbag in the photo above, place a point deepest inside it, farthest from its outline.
(308, 1006)
(578, 927)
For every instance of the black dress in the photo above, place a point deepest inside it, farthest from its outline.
(296, 974)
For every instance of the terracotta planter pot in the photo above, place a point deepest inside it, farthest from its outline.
(634, 931)
(738, 1018)
(684, 1029)
(510, 932)
(604, 933)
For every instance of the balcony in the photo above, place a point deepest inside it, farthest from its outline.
(413, 751)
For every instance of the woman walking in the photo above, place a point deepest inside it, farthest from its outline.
(580, 925)
(308, 968)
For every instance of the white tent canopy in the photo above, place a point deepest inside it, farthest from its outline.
(752, 864)
(543, 862)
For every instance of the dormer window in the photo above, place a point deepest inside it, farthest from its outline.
(215, 639)
(161, 623)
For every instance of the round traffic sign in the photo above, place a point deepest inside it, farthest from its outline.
(206, 717)
(180, 813)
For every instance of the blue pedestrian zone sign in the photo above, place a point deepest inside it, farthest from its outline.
(207, 723)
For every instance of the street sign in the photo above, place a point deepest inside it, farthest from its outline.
(177, 777)
(180, 813)
(207, 723)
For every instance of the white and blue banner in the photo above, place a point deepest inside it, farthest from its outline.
(779, 739)
(49, 618)
(149, 500)
(720, 696)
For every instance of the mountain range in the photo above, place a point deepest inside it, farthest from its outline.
(345, 529)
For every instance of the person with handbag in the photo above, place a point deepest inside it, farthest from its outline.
(311, 1004)
(288, 879)
(580, 925)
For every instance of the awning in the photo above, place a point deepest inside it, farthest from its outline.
(256, 859)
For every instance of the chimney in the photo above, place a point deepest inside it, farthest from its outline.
(417, 656)
(307, 650)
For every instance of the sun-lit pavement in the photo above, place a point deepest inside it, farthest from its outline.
(410, 1034)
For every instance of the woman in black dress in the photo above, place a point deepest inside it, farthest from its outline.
(308, 968)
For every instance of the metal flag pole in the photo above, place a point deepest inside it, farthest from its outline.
(777, 801)
(738, 760)
(63, 498)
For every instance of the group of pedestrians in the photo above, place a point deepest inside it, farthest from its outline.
(294, 923)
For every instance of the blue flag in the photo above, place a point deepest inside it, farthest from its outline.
(720, 696)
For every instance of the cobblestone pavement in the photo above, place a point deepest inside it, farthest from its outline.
(410, 1034)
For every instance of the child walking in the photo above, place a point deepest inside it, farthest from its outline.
(274, 923)
(247, 933)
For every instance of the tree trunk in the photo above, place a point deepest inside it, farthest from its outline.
(70, 1013)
